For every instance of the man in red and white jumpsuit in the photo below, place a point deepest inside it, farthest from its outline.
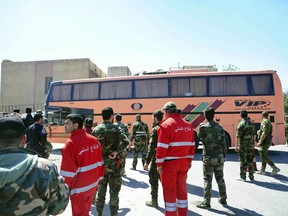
(82, 165)
(175, 151)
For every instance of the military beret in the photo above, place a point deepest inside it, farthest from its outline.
(118, 114)
(11, 127)
(170, 106)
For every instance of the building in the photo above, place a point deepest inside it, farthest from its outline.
(119, 71)
(26, 84)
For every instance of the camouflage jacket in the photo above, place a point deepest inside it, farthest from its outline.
(152, 144)
(123, 127)
(140, 130)
(111, 137)
(30, 185)
(266, 128)
(213, 139)
(245, 131)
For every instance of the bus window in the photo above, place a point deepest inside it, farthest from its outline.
(151, 88)
(237, 85)
(180, 87)
(61, 93)
(262, 85)
(117, 89)
(217, 86)
(86, 91)
(198, 86)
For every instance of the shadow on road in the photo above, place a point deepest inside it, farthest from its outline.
(235, 211)
(130, 182)
(272, 185)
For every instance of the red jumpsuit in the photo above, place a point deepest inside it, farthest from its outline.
(175, 150)
(83, 168)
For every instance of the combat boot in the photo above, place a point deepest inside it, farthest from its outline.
(275, 171)
(153, 203)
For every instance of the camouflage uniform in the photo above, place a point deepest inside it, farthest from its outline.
(286, 132)
(30, 185)
(124, 153)
(150, 157)
(112, 139)
(245, 133)
(214, 151)
(265, 128)
(140, 135)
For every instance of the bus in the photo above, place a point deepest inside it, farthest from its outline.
(192, 91)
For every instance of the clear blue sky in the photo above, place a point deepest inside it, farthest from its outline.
(147, 35)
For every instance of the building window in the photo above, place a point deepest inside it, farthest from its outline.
(48, 81)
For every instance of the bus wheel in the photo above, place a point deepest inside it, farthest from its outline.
(228, 140)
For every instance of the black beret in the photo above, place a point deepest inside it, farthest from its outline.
(11, 127)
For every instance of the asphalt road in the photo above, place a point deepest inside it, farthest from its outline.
(266, 196)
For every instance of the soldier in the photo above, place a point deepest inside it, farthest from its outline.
(82, 165)
(151, 157)
(140, 135)
(265, 141)
(245, 146)
(46, 123)
(121, 125)
(113, 141)
(214, 151)
(174, 155)
(29, 185)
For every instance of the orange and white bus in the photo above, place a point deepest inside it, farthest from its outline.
(227, 92)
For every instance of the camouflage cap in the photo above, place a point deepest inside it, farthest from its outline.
(11, 127)
(170, 106)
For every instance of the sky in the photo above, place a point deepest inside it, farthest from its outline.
(147, 35)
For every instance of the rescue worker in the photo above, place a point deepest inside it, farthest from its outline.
(214, 152)
(245, 146)
(29, 185)
(113, 141)
(82, 165)
(265, 141)
(140, 135)
(174, 155)
(121, 125)
(37, 137)
(151, 158)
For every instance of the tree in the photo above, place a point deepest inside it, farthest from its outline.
(230, 67)
(285, 95)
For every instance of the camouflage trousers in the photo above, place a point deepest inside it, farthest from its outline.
(140, 146)
(114, 181)
(246, 154)
(263, 152)
(154, 177)
(214, 166)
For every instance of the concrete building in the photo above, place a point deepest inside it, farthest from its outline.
(119, 71)
(26, 84)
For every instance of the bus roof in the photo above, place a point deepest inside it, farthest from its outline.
(175, 73)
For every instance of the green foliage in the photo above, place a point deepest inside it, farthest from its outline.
(285, 94)
(230, 67)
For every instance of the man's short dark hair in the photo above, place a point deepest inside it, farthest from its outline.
(107, 112)
(28, 110)
(209, 113)
(17, 110)
(76, 118)
(158, 114)
(12, 130)
(244, 114)
(37, 117)
(118, 117)
(265, 114)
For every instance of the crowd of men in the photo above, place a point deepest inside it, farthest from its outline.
(99, 151)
